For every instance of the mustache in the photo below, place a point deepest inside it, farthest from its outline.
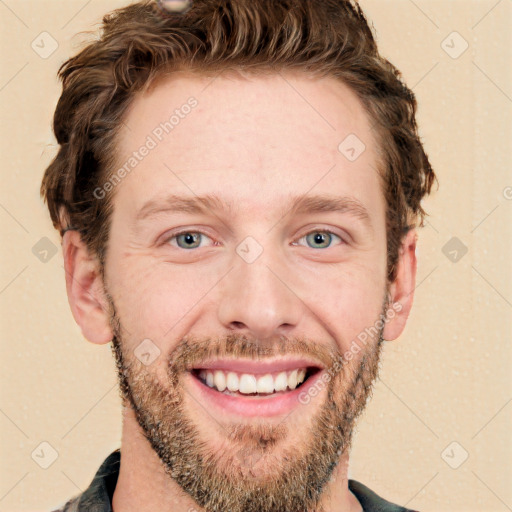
(191, 351)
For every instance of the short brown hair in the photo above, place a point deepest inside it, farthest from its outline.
(141, 41)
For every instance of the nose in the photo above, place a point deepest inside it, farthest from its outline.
(259, 300)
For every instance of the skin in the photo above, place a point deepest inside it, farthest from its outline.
(256, 142)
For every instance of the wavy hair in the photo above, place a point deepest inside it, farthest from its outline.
(142, 42)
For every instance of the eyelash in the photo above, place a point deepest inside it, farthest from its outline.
(188, 231)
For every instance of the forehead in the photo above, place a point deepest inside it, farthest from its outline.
(247, 138)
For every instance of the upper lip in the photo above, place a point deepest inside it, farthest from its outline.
(256, 366)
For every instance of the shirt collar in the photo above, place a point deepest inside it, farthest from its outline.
(98, 496)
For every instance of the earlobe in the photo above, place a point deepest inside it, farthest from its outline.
(401, 290)
(84, 286)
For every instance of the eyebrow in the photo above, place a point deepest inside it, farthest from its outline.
(303, 204)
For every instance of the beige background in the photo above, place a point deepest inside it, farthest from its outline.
(446, 380)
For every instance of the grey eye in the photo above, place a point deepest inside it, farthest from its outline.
(320, 239)
(190, 240)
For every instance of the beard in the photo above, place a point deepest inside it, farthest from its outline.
(246, 474)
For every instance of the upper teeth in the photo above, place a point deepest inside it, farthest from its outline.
(249, 383)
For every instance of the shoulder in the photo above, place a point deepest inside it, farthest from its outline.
(70, 506)
(98, 496)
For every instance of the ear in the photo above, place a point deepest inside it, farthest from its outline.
(84, 286)
(401, 290)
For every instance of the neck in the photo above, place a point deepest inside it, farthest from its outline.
(144, 485)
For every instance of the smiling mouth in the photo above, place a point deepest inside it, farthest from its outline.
(254, 385)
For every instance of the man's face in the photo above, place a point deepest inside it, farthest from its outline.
(257, 283)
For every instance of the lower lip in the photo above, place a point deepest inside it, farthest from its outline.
(266, 406)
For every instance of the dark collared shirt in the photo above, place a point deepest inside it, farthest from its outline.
(98, 496)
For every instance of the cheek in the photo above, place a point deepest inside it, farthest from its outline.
(350, 301)
(154, 298)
